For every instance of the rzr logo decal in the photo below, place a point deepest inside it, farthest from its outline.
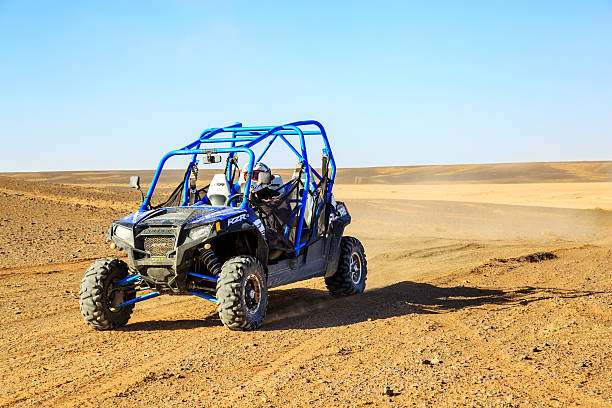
(236, 219)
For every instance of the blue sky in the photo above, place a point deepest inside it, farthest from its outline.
(113, 85)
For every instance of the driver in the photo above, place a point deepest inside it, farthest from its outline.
(260, 180)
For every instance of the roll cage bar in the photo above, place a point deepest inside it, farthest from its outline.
(241, 140)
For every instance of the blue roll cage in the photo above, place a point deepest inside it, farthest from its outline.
(241, 141)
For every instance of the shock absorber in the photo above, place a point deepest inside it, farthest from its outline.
(210, 260)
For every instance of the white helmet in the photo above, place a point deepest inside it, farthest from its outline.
(257, 181)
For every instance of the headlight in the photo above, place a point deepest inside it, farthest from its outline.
(200, 232)
(124, 233)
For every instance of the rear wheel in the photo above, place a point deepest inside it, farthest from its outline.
(350, 277)
(100, 297)
(242, 293)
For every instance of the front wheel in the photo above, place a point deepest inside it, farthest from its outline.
(242, 293)
(100, 297)
(350, 277)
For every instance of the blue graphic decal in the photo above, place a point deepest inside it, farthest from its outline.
(217, 215)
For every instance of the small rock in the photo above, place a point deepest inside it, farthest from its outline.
(388, 391)
(536, 349)
(436, 361)
(524, 357)
(426, 362)
(583, 364)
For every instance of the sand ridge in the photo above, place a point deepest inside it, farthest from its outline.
(500, 173)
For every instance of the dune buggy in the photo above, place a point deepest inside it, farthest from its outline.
(225, 243)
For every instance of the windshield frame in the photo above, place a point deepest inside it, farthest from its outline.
(145, 206)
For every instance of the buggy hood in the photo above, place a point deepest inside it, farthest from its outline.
(176, 216)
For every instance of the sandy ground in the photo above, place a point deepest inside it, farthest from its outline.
(475, 298)
(556, 195)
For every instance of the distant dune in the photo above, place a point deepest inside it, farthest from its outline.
(502, 173)
(543, 172)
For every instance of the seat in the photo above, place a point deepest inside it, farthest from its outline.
(219, 190)
(308, 210)
(309, 201)
(296, 199)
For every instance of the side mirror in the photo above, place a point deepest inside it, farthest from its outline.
(135, 182)
(212, 158)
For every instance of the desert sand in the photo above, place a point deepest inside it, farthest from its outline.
(488, 286)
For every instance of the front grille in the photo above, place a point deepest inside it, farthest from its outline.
(158, 246)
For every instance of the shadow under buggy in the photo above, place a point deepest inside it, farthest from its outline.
(230, 241)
